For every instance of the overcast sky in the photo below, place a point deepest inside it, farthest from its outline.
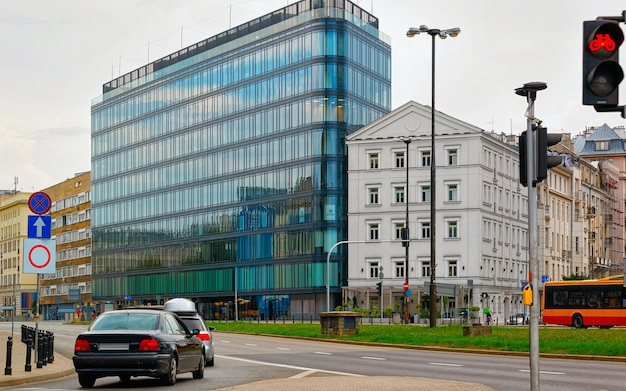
(57, 54)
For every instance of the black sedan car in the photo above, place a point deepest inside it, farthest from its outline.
(137, 342)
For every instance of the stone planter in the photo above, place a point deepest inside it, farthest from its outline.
(476, 330)
(340, 322)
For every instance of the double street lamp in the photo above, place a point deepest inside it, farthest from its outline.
(452, 32)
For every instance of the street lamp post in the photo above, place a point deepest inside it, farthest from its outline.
(452, 32)
(405, 231)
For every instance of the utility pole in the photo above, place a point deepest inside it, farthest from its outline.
(529, 90)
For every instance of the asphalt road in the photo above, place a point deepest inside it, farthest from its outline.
(241, 359)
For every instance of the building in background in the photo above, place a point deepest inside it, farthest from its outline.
(604, 148)
(481, 212)
(17, 289)
(219, 171)
(68, 292)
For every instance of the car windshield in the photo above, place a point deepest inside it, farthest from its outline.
(126, 321)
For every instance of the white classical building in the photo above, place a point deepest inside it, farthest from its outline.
(481, 214)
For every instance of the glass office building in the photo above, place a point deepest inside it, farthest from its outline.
(219, 172)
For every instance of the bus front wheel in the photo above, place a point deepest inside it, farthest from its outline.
(577, 321)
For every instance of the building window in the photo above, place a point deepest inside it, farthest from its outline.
(452, 229)
(373, 267)
(373, 231)
(373, 159)
(398, 230)
(425, 229)
(453, 193)
(453, 157)
(373, 196)
(425, 193)
(602, 145)
(399, 269)
(425, 158)
(399, 194)
(452, 268)
(425, 268)
(399, 159)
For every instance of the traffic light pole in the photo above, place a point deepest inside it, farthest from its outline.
(529, 90)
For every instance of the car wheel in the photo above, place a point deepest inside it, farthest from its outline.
(86, 381)
(169, 378)
(199, 373)
(124, 378)
(577, 321)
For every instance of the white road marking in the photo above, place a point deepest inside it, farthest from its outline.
(443, 364)
(323, 353)
(250, 344)
(374, 358)
(544, 372)
(224, 341)
(283, 349)
(288, 366)
(303, 374)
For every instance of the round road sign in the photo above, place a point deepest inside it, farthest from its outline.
(39, 256)
(405, 286)
(39, 203)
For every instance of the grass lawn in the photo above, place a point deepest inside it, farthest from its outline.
(555, 340)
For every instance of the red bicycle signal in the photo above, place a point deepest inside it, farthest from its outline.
(602, 41)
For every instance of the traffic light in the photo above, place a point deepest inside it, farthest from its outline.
(602, 73)
(545, 161)
(543, 158)
(404, 234)
(523, 159)
(527, 295)
(379, 288)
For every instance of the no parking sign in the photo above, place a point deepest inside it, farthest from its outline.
(39, 256)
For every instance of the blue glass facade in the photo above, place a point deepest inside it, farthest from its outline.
(222, 173)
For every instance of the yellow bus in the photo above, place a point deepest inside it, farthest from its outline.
(585, 303)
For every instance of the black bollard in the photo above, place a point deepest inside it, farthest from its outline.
(51, 347)
(29, 347)
(44, 358)
(39, 352)
(7, 369)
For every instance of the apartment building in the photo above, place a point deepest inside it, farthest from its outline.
(17, 289)
(604, 147)
(481, 214)
(68, 292)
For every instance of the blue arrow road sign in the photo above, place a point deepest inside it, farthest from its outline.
(39, 227)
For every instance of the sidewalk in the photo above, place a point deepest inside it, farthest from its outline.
(361, 383)
(60, 367)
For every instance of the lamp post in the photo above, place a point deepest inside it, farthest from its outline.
(453, 32)
(405, 231)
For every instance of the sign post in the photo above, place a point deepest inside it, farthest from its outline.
(39, 249)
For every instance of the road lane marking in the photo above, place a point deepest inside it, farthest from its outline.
(283, 349)
(303, 374)
(374, 358)
(250, 344)
(544, 372)
(224, 341)
(323, 353)
(443, 364)
(288, 366)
